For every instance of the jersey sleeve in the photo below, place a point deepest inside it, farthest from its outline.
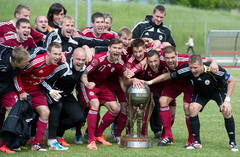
(91, 42)
(184, 71)
(36, 35)
(136, 69)
(92, 65)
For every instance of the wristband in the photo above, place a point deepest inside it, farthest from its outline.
(51, 92)
(150, 82)
(227, 99)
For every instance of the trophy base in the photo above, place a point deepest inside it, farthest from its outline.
(136, 142)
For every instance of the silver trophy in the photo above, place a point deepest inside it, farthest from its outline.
(139, 101)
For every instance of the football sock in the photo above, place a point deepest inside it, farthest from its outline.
(41, 127)
(91, 123)
(165, 115)
(195, 126)
(122, 118)
(230, 127)
(190, 134)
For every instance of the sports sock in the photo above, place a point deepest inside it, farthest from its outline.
(165, 115)
(41, 127)
(121, 122)
(107, 119)
(78, 130)
(230, 127)
(91, 123)
(190, 134)
(195, 126)
(144, 130)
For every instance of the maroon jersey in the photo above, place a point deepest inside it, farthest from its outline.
(7, 26)
(100, 68)
(88, 32)
(37, 71)
(10, 39)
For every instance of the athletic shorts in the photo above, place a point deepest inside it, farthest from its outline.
(175, 88)
(117, 89)
(38, 98)
(9, 99)
(159, 92)
(100, 92)
(218, 97)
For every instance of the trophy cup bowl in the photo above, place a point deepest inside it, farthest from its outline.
(137, 98)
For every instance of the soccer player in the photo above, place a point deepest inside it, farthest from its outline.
(21, 37)
(65, 111)
(95, 92)
(97, 30)
(27, 83)
(208, 86)
(41, 24)
(153, 27)
(55, 13)
(12, 62)
(173, 61)
(21, 11)
(108, 22)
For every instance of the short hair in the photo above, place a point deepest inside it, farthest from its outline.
(195, 58)
(107, 15)
(53, 44)
(19, 54)
(124, 30)
(22, 20)
(96, 15)
(138, 42)
(19, 8)
(37, 18)
(115, 41)
(160, 8)
(65, 18)
(55, 8)
(152, 53)
(169, 49)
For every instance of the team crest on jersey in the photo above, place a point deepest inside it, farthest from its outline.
(91, 93)
(160, 37)
(207, 82)
(112, 70)
(94, 62)
(70, 49)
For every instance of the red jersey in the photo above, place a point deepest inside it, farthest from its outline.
(88, 32)
(37, 71)
(100, 68)
(8, 26)
(10, 39)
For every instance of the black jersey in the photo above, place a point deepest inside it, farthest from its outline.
(69, 44)
(207, 82)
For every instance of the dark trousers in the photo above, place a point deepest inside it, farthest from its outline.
(190, 47)
(155, 120)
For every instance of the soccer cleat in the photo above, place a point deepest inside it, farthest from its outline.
(38, 147)
(23, 147)
(117, 139)
(63, 142)
(78, 139)
(92, 145)
(57, 146)
(164, 141)
(86, 135)
(17, 149)
(157, 135)
(233, 147)
(195, 145)
(102, 140)
(187, 144)
(4, 148)
(113, 129)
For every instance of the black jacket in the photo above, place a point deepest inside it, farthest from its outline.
(148, 29)
(16, 130)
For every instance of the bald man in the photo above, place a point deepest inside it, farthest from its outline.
(65, 111)
(41, 24)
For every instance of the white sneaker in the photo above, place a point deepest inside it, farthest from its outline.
(117, 139)
(57, 146)
(78, 139)
(38, 147)
(195, 145)
(17, 149)
(233, 147)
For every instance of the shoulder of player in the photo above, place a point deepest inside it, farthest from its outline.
(131, 59)
(6, 23)
(10, 35)
(86, 30)
(183, 69)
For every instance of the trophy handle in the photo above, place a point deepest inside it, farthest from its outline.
(150, 107)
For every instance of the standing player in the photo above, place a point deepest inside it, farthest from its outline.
(11, 63)
(95, 92)
(21, 37)
(208, 86)
(27, 83)
(41, 24)
(97, 30)
(21, 11)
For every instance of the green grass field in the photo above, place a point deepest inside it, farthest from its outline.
(183, 21)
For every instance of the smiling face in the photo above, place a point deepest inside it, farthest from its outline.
(108, 23)
(57, 16)
(138, 52)
(171, 60)
(41, 23)
(54, 56)
(79, 58)
(115, 51)
(196, 68)
(158, 17)
(154, 62)
(98, 26)
(67, 28)
(23, 31)
(126, 39)
(23, 14)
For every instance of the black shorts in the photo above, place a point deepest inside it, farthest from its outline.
(218, 97)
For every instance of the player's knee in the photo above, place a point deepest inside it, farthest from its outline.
(193, 110)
